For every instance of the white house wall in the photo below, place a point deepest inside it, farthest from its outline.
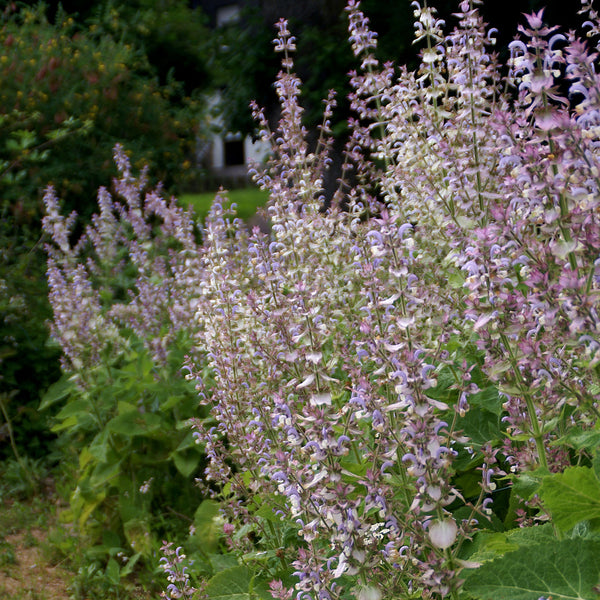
(255, 152)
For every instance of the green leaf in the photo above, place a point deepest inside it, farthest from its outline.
(111, 540)
(85, 457)
(531, 536)
(527, 484)
(442, 390)
(189, 441)
(259, 556)
(66, 424)
(566, 570)
(75, 408)
(488, 399)
(222, 562)
(231, 584)
(571, 496)
(495, 370)
(267, 510)
(104, 472)
(480, 425)
(208, 526)
(456, 280)
(125, 407)
(57, 391)
(112, 572)
(352, 469)
(99, 448)
(486, 546)
(135, 423)
(88, 507)
(138, 535)
(469, 483)
(186, 462)
(580, 439)
(260, 587)
(171, 402)
(128, 568)
(596, 465)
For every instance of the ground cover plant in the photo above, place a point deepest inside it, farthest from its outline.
(402, 387)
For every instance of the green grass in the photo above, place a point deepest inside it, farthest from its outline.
(247, 201)
(19, 515)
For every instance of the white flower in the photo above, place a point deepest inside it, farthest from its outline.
(442, 534)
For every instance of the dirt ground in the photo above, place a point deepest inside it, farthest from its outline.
(33, 563)
(31, 577)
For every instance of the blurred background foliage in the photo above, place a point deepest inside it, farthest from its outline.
(247, 63)
(60, 71)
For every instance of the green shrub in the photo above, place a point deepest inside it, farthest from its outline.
(57, 72)
(28, 363)
(122, 430)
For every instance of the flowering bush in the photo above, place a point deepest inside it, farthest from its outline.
(384, 373)
(66, 98)
(123, 322)
(404, 387)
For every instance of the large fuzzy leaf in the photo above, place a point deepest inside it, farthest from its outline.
(565, 570)
(572, 496)
(231, 584)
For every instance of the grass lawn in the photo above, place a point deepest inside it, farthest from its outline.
(247, 201)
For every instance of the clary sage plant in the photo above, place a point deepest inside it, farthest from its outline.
(403, 382)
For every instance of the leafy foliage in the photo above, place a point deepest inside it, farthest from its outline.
(28, 364)
(571, 497)
(67, 97)
(172, 36)
(561, 569)
(57, 73)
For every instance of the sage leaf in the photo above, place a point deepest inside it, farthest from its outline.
(231, 584)
(564, 570)
(571, 497)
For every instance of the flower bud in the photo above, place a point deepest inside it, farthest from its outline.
(442, 534)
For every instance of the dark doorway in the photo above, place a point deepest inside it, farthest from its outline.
(234, 153)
